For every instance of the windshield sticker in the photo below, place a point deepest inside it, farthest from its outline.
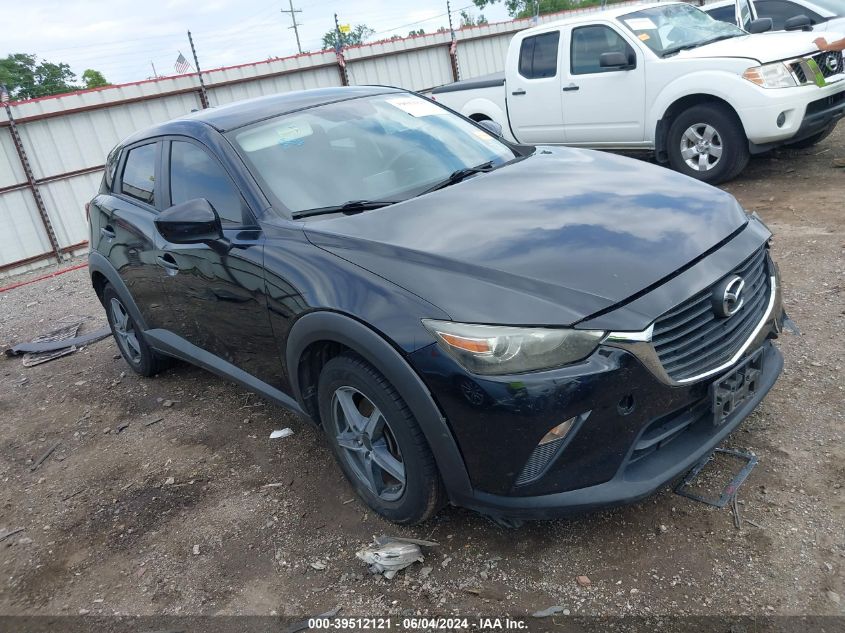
(644, 37)
(640, 24)
(416, 107)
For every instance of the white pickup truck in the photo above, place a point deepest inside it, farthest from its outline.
(703, 94)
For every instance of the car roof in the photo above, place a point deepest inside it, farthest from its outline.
(589, 15)
(240, 113)
(809, 4)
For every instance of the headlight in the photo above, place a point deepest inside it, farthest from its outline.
(775, 75)
(494, 349)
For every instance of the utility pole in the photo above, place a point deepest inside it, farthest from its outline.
(453, 46)
(296, 25)
(203, 93)
(338, 49)
(155, 74)
(449, 11)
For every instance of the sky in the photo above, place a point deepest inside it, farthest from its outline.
(124, 38)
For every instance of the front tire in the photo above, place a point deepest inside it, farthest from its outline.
(377, 441)
(707, 142)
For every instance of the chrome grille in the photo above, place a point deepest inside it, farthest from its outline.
(830, 63)
(691, 339)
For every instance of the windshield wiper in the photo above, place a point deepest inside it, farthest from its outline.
(459, 174)
(353, 206)
(686, 47)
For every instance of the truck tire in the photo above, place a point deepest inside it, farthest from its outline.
(814, 139)
(378, 442)
(707, 142)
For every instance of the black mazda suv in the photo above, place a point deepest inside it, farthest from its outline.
(525, 331)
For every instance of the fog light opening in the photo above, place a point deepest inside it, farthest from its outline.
(781, 119)
(559, 432)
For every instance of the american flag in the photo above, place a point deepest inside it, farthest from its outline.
(181, 64)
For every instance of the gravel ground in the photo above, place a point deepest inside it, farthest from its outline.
(174, 516)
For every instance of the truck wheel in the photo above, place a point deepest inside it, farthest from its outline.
(377, 441)
(707, 142)
(812, 140)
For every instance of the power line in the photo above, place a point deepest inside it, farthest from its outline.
(295, 26)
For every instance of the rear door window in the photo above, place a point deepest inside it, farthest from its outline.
(195, 174)
(781, 10)
(538, 55)
(139, 173)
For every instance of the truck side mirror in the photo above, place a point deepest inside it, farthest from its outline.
(798, 23)
(760, 25)
(491, 126)
(614, 60)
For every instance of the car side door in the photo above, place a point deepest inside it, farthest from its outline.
(122, 223)
(533, 89)
(603, 105)
(216, 291)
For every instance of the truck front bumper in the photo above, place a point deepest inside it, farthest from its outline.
(804, 111)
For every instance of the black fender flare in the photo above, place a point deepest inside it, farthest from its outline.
(97, 262)
(339, 328)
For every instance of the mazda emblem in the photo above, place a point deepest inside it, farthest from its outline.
(727, 296)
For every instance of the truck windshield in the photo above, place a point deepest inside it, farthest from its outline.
(669, 29)
(363, 153)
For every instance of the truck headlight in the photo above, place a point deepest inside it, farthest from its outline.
(494, 349)
(775, 75)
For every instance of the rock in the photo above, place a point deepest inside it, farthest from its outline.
(318, 565)
(169, 481)
(483, 575)
(663, 529)
(106, 431)
(425, 572)
(196, 550)
(834, 597)
(446, 561)
(583, 581)
(24, 541)
(546, 613)
(168, 403)
(84, 612)
(839, 162)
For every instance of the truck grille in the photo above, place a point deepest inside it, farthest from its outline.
(830, 64)
(691, 339)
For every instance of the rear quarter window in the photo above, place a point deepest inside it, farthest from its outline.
(139, 173)
(110, 170)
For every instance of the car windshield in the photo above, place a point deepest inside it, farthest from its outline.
(360, 153)
(675, 27)
(836, 7)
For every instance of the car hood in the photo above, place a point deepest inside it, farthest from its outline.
(549, 240)
(763, 47)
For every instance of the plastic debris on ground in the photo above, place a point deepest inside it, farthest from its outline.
(388, 555)
(276, 435)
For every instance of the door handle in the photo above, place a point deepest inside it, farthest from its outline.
(571, 88)
(517, 93)
(108, 232)
(167, 261)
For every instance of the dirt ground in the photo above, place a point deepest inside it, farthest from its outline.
(175, 517)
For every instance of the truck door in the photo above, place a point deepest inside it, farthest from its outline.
(746, 13)
(601, 104)
(533, 90)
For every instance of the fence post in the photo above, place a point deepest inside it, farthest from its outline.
(203, 93)
(30, 178)
(338, 49)
(453, 46)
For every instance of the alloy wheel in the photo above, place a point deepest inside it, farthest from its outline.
(367, 444)
(124, 329)
(701, 147)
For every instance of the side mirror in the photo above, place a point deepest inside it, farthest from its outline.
(798, 23)
(491, 126)
(191, 222)
(760, 25)
(613, 60)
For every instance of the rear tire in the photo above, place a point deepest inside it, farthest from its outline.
(707, 142)
(142, 358)
(377, 441)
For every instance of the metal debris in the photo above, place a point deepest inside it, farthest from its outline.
(153, 421)
(275, 435)
(10, 533)
(387, 557)
(384, 540)
(44, 457)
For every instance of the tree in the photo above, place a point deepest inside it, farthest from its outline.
(358, 35)
(412, 32)
(467, 19)
(94, 78)
(27, 78)
(527, 8)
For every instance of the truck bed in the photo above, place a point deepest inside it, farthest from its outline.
(485, 81)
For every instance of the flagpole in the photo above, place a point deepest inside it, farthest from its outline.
(203, 93)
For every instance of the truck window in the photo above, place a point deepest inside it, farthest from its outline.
(724, 14)
(538, 55)
(781, 10)
(588, 45)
